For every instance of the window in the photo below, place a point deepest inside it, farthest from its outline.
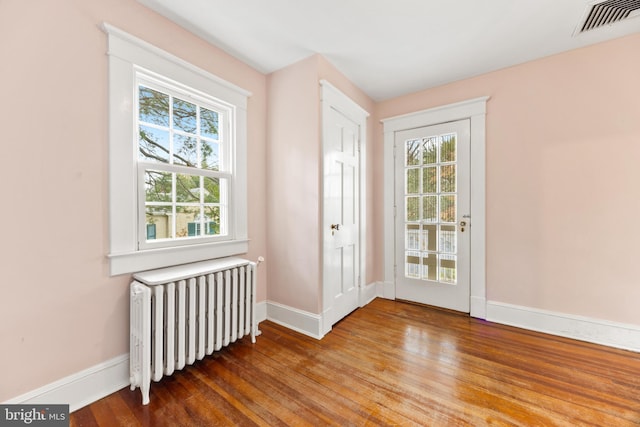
(183, 164)
(177, 160)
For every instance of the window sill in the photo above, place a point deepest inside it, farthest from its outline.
(132, 262)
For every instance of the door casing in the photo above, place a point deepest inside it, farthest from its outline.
(475, 111)
(332, 98)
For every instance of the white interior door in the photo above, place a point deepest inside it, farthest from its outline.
(432, 191)
(341, 213)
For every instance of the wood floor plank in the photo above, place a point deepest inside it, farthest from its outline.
(391, 363)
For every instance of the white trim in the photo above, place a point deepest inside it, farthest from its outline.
(261, 311)
(126, 55)
(306, 323)
(332, 97)
(388, 290)
(368, 293)
(475, 110)
(596, 331)
(82, 388)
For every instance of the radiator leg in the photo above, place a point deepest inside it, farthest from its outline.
(144, 388)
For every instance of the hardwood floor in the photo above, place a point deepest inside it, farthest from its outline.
(391, 363)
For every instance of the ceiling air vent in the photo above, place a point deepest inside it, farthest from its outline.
(608, 12)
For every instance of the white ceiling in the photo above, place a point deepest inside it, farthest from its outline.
(390, 48)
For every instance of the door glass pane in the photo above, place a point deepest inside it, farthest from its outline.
(448, 208)
(412, 264)
(412, 237)
(413, 208)
(413, 181)
(430, 179)
(412, 152)
(429, 238)
(431, 208)
(448, 268)
(429, 266)
(430, 150)
(448, 148)
(448, 179)
(448, 239)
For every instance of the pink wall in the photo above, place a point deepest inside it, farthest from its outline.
(562, 178)
(293, 186)
(295, 181)
(562, 154)
(60, 312)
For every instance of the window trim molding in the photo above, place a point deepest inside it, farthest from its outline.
(126, 54)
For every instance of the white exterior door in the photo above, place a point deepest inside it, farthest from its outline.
(342, 133)
(432, 226)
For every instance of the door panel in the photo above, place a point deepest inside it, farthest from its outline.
(432, 215)
(341, 215)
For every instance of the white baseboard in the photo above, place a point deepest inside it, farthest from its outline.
(369, 293)
(298, 320)
(82, 388)
(478, 307)
(612, 334)
(388, 290)
(261, 311)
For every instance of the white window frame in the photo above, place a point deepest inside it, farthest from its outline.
(127, 56)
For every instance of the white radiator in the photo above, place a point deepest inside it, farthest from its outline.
(180, 314)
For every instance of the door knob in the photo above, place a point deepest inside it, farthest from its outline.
(335, 227)
(463, 224)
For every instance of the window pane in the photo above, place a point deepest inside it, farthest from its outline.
(208, 123)
(186, 217)
(157, 186)
(430, 208)
(448, 179)
(212, 220)
(187, 188)
(153, 144)
(429, 150)
(210, 155)
(154, 106)
(429, 180)
(185, 150)
(448, 208)
(413, 180)
(158, 222)
(211, 190)
(412, 152)
(413, 209)
(184, 115)
(448, 148)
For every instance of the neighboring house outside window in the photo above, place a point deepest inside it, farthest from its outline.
(177, 160)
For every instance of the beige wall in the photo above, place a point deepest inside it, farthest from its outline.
(563, 178)
(60, 312)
